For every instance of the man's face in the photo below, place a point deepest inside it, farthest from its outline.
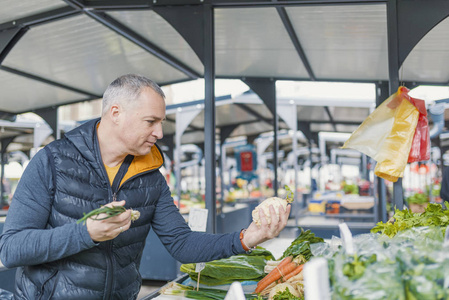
(141, 123)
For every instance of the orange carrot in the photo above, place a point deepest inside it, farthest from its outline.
(274, 275)
(283, 262)
(293, 273)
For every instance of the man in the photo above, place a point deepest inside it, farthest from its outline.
(109, 161)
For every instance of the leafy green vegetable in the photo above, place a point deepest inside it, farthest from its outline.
(434, 215)
(424, 273)
(109, 211)
(417, 198)
(356, 268)
(370, 280)
(286, 295)
(177, 289)
(227, 270)
(301, 245)
(260, 251)
(350, 189)
(290, 194)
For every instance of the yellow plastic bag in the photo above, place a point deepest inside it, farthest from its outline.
(387, 135)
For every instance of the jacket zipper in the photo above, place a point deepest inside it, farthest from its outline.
(110, 263)
(115, 188)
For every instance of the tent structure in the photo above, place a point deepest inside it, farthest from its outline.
(56, 52)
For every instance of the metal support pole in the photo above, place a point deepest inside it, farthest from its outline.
(382, 92)
(393, 70)
(209, 117)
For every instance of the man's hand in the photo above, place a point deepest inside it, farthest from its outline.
(108, 229)
(255, 235)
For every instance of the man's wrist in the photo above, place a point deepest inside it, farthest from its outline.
(244, 245)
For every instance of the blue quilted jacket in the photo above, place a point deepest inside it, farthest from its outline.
(57, 259)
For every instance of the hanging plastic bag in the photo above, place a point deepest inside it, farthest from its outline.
(387, 135)
(420, 149)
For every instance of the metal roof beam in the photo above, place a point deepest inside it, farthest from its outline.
(50, 82)
(140, 4)
(137, 39)
(294, 38)
(331, 118)
(254, 113)
(195, 128)
(304, 127)
(41, 18)
(117, 4)
(8, 39)
(188, 22)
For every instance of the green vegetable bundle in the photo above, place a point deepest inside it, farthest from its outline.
(108, 212)
(177, 289)
(235, 268)
(301, 245)
(417, 198)
(434, 215)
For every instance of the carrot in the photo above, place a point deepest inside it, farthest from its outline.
(283, 262)
(296, 271)
(275, 275)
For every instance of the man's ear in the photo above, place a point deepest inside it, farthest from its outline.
(115, 112)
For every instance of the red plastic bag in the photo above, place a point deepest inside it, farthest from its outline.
(420, 149)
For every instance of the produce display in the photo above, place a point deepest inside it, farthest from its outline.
(434, 215)
(235, 268)
(410, 266)
(406, 258)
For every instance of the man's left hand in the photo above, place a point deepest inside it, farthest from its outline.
(255, 234)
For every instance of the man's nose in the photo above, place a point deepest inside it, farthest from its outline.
(158, 131)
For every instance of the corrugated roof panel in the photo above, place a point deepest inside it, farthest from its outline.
(13, 9)
(315, 127)
(80, 52)
(31, 93)
(349, 114)
(251, 129)
(426, 62)
(343, 42)
(254, 42)
(231, 114)
(154, 28)
(346, 128)
(312, 113)
(192, 137)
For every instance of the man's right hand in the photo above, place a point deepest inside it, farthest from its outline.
(108, 229)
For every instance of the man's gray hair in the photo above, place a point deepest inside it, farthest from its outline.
(125, 90)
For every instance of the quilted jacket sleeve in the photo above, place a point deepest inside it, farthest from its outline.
(185, 245)
(26, 238)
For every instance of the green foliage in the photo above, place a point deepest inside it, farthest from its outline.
(177, 289)
(351, 189)
(301, 245)
(434, 215)
(227, 270)
(290, 195)
(286, 295)
(417, 198)
(355, 267)
(108, 211)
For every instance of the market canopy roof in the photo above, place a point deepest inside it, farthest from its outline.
(55, 52)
